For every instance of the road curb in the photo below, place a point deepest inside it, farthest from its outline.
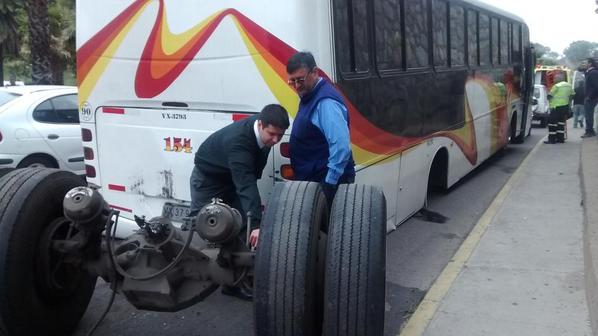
(589, 187)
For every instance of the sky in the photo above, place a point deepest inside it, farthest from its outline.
(555, 23)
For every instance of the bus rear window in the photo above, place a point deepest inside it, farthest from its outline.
(5, 97)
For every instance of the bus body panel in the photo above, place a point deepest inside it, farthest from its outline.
(126, 90)
(154, 71)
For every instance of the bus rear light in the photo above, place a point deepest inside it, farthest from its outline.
(88, 153)
(86, 134)
(116, 207)
(239, 116)
(117, 187)
(0, 136)
(113, 110)
(286, 171)
(285, 149)
(90, 171)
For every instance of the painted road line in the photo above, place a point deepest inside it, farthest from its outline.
(427, 308)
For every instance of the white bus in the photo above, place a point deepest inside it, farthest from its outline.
(434, 88)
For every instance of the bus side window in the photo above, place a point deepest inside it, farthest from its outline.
(516, 41)
(440, 24)
(504, 42)
(484, 39)
(457, 34)
(472, 38)
(494, 44)
(416, 33)
(389, 41)
(352, 37)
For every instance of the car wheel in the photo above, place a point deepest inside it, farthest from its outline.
(288, 279)
(355, 277)
(40, 294)
(36, 161)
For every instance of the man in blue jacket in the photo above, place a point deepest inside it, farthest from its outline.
(320, 141)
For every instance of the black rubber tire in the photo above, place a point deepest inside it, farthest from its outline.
(355, 277)
(288, 282)
(31, 199)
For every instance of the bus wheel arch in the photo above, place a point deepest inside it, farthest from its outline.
(438, 174)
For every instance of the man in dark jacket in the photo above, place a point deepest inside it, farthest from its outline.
(591, 96)
(320, 141)
(229, 163)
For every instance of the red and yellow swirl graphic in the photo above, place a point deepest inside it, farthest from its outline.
(166, 56)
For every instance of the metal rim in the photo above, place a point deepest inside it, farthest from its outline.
(56, 276)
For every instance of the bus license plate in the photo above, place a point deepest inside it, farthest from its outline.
(175, 212)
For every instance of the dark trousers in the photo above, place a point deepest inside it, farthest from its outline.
(205, 188)
(589, 106)
(556, 124)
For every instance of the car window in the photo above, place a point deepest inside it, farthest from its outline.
(5, 97)
(61, 109)
(66, 109)
(536, 92)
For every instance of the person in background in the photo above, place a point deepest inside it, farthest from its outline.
(560, 99)
(229, 163)
(578, 103)
(320, 143)
(591, 99)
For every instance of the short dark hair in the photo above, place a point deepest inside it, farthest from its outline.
(275, 115)
(592, 62)
(302, 59)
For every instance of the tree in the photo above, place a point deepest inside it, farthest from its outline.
(9, 36)
(579, 50)
(39, 41)
(62, 32)
(544, 55)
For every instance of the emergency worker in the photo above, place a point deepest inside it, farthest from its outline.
(560, 98)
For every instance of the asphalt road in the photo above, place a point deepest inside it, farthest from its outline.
(416, 254)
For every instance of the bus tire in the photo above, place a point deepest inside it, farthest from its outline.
(354, 291)
(288, 279)
(39, 295)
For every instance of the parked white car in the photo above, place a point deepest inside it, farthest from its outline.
(39, 126)
(540, 106)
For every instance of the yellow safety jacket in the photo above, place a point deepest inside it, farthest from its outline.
(561, 94)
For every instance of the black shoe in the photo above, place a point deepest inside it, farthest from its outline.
(238, 292)
(588, 135)
(549, 142)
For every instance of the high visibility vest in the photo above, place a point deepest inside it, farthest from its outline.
(561, 94)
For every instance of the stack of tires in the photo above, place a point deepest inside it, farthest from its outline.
(319, 272)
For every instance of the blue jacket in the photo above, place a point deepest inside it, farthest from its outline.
(309, 147)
